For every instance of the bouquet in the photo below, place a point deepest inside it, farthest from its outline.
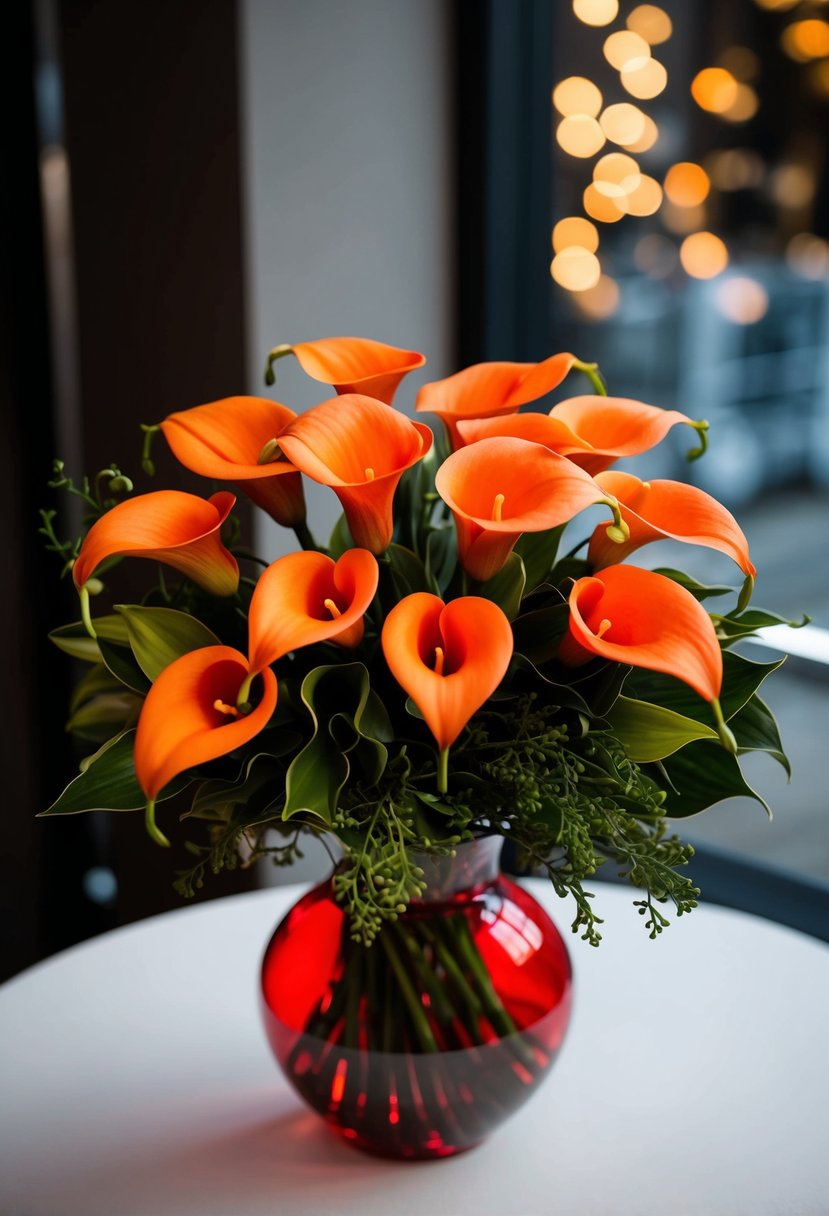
(444, 666)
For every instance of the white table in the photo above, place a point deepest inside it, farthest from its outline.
(135, 1080)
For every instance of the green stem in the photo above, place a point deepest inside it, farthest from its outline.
(85, 614)
(420, 1022)
(443, 770)
(304, 535)
(591, 370)
(153, 830)
(146, 458)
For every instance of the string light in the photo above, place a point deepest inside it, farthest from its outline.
(682, 220)
(714, 89)
(625, 49)
(645, 80)
(651, 23)
(574, 230)
(808, 256)
(742, 300)
(576, 268)
(577, 95)
(805, 40)
(646, 198)
(703, 255)
(687, 184)
(606, 205)
(623, 123)
(596, 12)
(648, 137)
(745, 105)
(580, 135)
(599, 302)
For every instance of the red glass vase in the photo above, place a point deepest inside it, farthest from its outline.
(421, 1044)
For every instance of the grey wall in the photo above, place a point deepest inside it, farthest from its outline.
(348, 165)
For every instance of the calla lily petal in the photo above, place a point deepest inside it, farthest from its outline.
(360, 449)
(353, 365)
(229, 440)
(658, 510)
(593, 432)
(498, 488)
(304, 598)
(448, 657)
(168, 526)
(182, 724)
(642, 618)
(487, 390)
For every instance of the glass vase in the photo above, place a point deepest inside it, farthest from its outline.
(419, 1045)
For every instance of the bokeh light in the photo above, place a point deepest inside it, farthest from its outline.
(682, 220)
(735, 169)
(742, 300)
(819, 78)
(793, 186)
(805, 40)
(655, 255)
(625, 49)
(606, 205)
(646, 198)
(580, 135)
(577, 95)
(703, 255)
(687, 184)
(576, 268)
(623, 123)
(741, 62)
(714, 89)
(746, 104)
(777, 6)
(644, 80)
(651, 23)
(647, 139)
(616, 169)
(596, 12)
(575, 230)
(599, 302)
(808, 256)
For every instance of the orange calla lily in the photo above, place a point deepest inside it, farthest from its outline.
(180, 530)
(190, 716)
(656, 510)
(361, 449)
(593, 432)
(236, 439)
(642, 618)
(499, 488)
(488, 390)
(351, 365)
(448, 657)
(304, 598)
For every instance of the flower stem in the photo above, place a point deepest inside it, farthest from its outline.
(85, 613)
(443, 770)
(304, 535)
(153, 830)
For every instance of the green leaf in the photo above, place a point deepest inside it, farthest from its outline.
(741, 679)
(108, 782)
(745, 624)
(407, 570)
(441, 558)
(257, 789)
(122, 664)
(538, 551)
(538, 634)
(102, 715)
(651, 732)
(755, 729)
(350, 729)
(159, 636)
(698, 590)
(700, 775)
(75, 641)
(507, 587)
(340, 539)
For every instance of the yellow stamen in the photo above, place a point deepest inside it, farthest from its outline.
(496, 508)
(439, 659)
(369, 474)
(332, 608)
(224, 708)
(603, 627)
(270, 453)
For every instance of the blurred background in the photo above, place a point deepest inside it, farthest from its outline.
(189, 183)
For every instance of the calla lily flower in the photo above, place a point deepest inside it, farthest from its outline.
(177, 529)
(488, 390)
(237, 439)
(656, 510)
(499, 488)
(361, 449)
(190, 716)
(304, 598)
(642, 618)
(351, 365)
(448, 657)
(593, 432)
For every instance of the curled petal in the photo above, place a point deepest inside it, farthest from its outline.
(356, 365)
(235, 439)
(304, 598)
(181, 725)
(638, 617)
(168, 526)
(658, 510)
(500, 487)
(449, 658)
(486, 390)
(361, 449)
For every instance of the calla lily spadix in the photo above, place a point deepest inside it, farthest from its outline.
(487, 390)
(641, 618)
(190, 717)
(499, 488)
(180, 530)
(593, 432)
(361, 449)
(448, 657)
(351, 365)
(237, 439)
(304, 598)
(658, 510)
